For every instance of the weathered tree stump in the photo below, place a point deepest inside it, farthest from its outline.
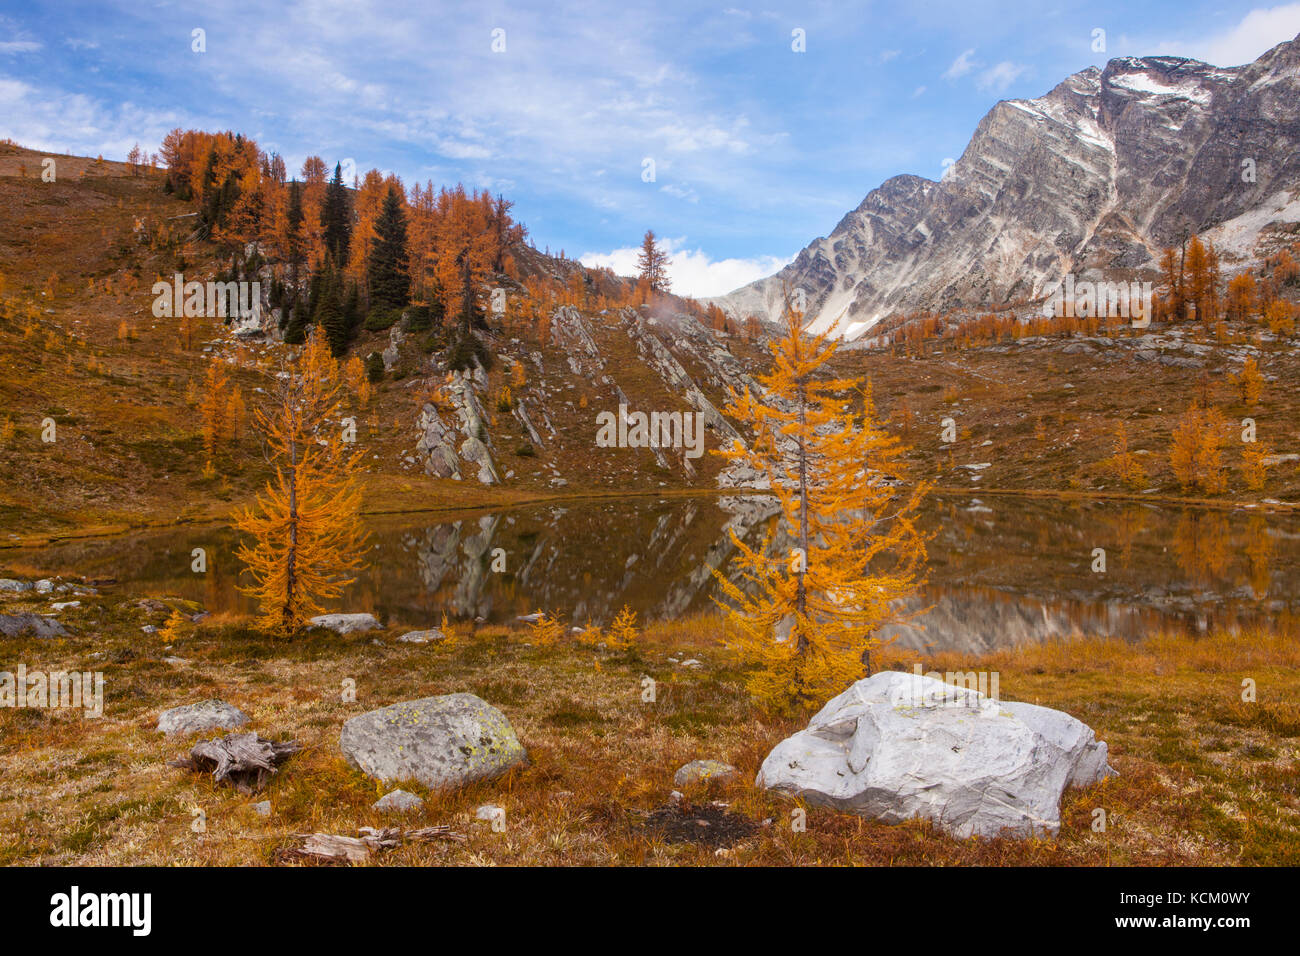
(245, 760)
(333, 847)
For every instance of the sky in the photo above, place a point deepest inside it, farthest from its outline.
(737, 133)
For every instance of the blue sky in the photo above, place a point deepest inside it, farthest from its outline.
(757, 149)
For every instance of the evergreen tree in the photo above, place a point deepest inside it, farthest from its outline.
(388, 269)
(330, 317)
(336, 218)
(293, 238)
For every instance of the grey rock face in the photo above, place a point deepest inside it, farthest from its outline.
(442, 742)
(205, 715)
(27, 623)
(898, 746)
(1091, 179)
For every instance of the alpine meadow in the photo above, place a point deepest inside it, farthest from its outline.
(649, 435)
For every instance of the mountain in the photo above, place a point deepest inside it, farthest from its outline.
(1093, 179)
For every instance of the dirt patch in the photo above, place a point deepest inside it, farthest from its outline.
(709, 825)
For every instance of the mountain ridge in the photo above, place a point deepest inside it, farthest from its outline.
(1093, 177)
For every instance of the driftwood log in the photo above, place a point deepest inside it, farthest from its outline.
(245, 760)
(330, 846)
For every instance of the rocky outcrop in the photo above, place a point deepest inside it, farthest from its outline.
(1091, 179)
(438, 442)
(898, 746)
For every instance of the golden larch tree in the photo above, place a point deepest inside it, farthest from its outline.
(305, 529)
(856, 547)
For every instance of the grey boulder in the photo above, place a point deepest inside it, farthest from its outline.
(442, 742)
(346, 623)
(210, 714)
(422, 637)
(397, 801)
(703, 771)
(898, 746)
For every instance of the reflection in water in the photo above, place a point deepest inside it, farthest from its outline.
(1002, 571)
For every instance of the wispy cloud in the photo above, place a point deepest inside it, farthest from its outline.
(961, 66)
(1257, 32)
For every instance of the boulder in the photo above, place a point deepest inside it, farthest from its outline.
(14, 586)
(205, 715)
(37, 625)
(898, 746)
(442, 742)
(703, 771)
(397, 801)
(346, 623)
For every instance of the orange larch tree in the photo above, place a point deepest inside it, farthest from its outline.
(306, 538)
(856, 546)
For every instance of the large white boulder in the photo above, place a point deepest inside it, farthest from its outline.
(897, 746)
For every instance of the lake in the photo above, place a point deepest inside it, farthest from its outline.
(1003, 569)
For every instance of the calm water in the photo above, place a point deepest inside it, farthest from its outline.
(1002, 570)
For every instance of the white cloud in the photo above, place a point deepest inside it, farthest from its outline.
(999, 77)
(918, 91)
(691, 271)
(961, 66)
(1259, 31)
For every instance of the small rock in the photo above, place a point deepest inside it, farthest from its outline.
(149, 629)
(38, 625)
(210, 714)
(14, 586)
(397, 801)
(346, 623)
(61, 605)
(44, 586)
(422, 637)
(703, 771)
(692, 663)
(488, 812)
(262, 809)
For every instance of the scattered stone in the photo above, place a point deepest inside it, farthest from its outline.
(397, 801)
(14, 586)
(442, 742)
(37, 625)
(346, 623)
(691, 662)
(209, 714)
(262, 809)
(149, 629)
(488, 812)
(422, 637)
(44, 586)
(703, 771)
(63, 605)
(898, 746)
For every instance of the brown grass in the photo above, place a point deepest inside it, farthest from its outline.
(1205, 778)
